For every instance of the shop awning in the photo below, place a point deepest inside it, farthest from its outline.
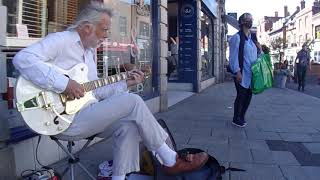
(212, 6)
(231, 21)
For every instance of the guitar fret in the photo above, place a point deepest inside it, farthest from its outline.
(92, 85)
(98, 82)
(89, 86)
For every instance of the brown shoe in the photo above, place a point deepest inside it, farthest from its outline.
(190, 163)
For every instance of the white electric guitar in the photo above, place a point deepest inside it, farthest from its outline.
(45, 111)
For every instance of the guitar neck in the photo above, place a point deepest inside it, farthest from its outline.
(92, 85)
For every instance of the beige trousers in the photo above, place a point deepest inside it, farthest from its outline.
(127, 118)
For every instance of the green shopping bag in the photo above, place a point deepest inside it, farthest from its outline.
(262, 74)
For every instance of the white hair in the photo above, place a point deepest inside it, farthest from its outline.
(91, 14)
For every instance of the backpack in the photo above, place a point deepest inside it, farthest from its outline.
(243, 38)
(212, 170)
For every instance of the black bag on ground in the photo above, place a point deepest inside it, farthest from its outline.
(212, 170)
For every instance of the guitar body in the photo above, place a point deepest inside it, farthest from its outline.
(39, 107)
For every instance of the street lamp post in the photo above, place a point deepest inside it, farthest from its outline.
(284, 39)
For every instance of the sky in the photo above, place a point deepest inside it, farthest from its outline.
(260, 8)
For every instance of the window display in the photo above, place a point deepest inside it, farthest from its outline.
(130, 40)
(206, 45)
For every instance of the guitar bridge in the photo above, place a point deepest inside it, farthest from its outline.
(34, 103)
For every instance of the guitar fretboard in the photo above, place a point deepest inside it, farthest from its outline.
(92, 85)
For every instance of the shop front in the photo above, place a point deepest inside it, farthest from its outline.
(196, 27)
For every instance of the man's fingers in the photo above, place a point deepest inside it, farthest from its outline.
(77, 96)
(70, 97)
(135, 76)
(140, 73)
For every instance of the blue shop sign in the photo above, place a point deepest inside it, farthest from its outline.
(188, 41)
(212, 6)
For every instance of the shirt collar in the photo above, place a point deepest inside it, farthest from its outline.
(76, 38)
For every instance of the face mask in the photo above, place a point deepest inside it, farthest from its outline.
(248, 24)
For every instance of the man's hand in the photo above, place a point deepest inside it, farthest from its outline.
(73, 90)
(129, 66)
(135, 77)
(239, 77)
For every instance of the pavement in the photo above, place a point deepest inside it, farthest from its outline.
(312, 87)
(280, 142)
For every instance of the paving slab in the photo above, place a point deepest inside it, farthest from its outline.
(262, 156)
(262, 135)
(256, 172)
(296, 137)
(284, 158)
(313, 173)
(293, 172)
(314, 148)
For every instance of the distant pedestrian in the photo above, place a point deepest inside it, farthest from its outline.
(173, 59)
(303, 58)
(265, 49)
(242, 57)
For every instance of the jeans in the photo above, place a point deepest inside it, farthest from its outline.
(241, 102)
(301, 70)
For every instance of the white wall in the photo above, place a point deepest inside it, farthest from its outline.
(3, 21)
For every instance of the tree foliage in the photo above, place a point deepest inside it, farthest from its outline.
(277, 44)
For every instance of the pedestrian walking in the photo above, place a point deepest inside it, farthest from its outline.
(303, 63)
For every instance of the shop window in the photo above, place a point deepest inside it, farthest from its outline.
(32, 15)
(12, 18)
(317, 56)
(130, 41)
(123, 26)
(206, 46)
(144, 29)
(62, 13)
(317, 32)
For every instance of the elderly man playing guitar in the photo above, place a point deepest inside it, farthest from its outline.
(112, 109)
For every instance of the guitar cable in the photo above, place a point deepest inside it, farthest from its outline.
(59, 177)
(44, 168)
